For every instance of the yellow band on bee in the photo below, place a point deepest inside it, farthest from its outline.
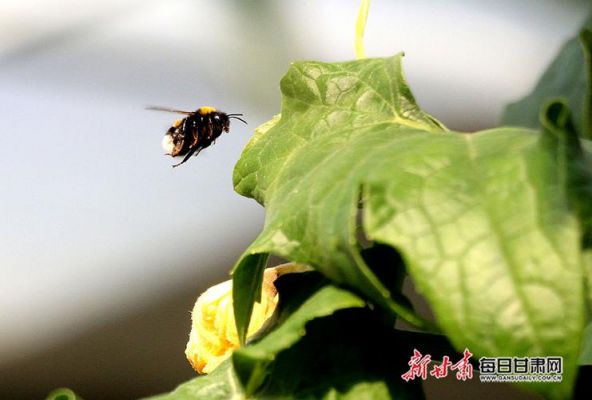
(177, 123)
(206, 110)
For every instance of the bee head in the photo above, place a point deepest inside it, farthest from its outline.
(222, 120)
(235, 116)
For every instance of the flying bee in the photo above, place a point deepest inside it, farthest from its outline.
(198, 130)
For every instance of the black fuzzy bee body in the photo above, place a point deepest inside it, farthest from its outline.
(198, 130)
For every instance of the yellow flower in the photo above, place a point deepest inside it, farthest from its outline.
(213, 334)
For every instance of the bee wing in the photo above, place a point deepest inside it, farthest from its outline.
(166, 109)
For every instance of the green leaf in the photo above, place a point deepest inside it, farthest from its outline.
(569, 76)
(485, 227)
(574, 162)
(586, 353)
(573, 157)
(309, 297)
(377, 94)
(221, 384)
(376, 97)
(348, 355)
(485, 222)
(248, 276)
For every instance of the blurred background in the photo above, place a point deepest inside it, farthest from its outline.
(103, 246)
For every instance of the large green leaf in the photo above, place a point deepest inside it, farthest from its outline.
(484, 221)
(318, 98)
(569, 76)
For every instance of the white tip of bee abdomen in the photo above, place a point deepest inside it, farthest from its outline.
(167, 144)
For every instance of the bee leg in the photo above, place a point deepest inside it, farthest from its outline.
(196, 151)
(184, 159)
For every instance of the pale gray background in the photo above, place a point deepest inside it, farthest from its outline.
(103, 246)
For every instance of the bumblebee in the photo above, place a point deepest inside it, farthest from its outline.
(198, 130)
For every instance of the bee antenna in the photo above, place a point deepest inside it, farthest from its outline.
(235, 117)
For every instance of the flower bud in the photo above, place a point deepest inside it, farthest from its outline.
(213, 334)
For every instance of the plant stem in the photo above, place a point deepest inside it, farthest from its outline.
(586, 42)
(360, 26)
